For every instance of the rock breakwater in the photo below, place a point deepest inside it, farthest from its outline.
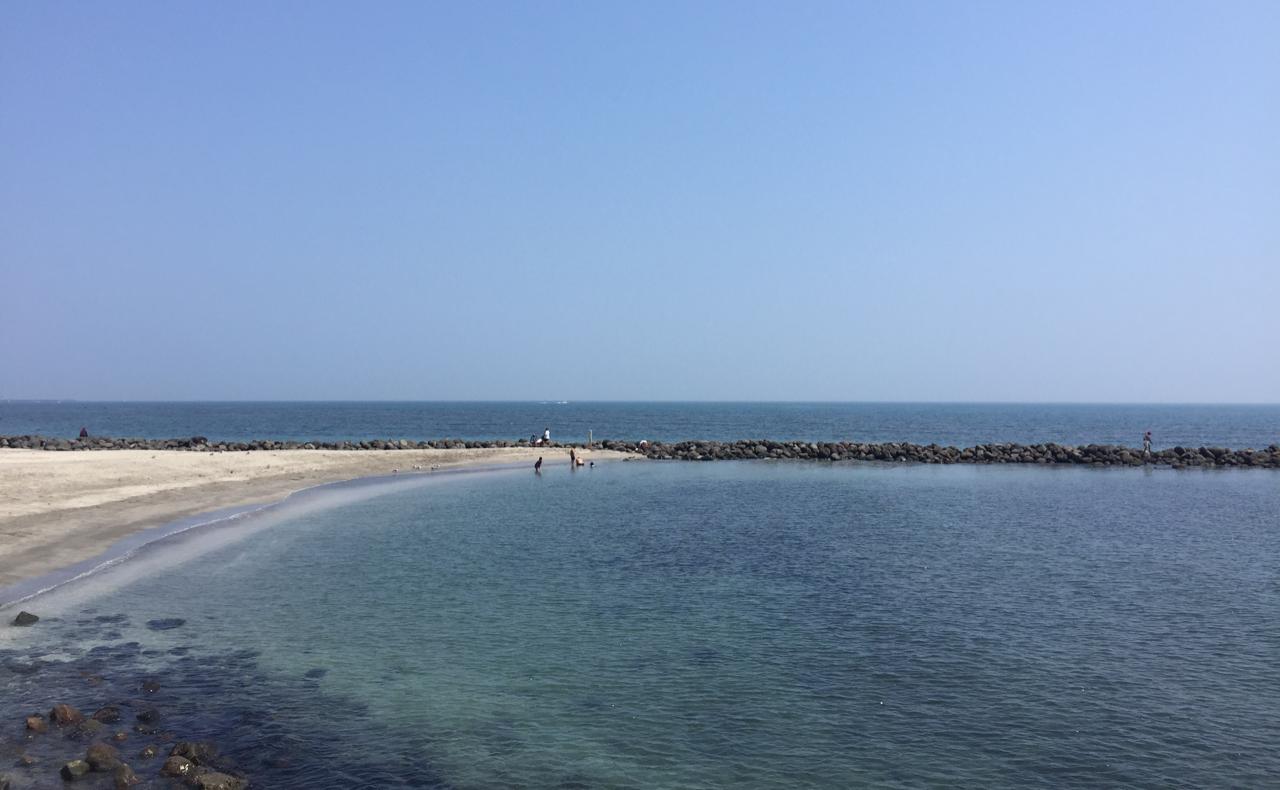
(745, 449)
(905, 452)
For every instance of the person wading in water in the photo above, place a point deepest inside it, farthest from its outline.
(537, 467)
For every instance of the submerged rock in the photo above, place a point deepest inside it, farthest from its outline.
(25, 618)
(195, 751)
(102, 757)
(107, 714)
(166, 623)
(36, 723)
(63, 715)
(150, 685)
(5, 783)
(123, 777)
(149, 751)
(87, 728)
(177, 766)
(74, 770)
(219, 781)
(148, 715)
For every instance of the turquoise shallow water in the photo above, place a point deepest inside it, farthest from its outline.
(711, 625)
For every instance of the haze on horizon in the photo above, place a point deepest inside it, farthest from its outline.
(712, 201)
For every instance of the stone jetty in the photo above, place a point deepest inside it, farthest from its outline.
(745, 449)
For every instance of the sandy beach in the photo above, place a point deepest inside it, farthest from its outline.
(57, 509)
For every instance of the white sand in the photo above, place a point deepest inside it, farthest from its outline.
(58, 508)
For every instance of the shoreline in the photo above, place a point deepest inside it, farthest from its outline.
(1177, 457)
(65, 505)
(60, 511)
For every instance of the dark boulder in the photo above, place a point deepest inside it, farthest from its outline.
(148, 715)
(25, 618)
(107, 714)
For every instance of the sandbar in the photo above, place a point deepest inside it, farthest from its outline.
(60, 508)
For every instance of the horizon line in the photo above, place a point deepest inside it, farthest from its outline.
(563, 401)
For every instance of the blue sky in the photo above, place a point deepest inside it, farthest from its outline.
(888, 201)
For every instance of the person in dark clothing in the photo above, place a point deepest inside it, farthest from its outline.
(84, 433)
(537, 467)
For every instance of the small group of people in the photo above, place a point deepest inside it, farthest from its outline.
(574, 460)
(538, 441)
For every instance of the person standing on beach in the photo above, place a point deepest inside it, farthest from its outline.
(1146, 444)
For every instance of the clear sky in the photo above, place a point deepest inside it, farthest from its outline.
(603, 200)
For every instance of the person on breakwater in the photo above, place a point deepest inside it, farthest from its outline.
(1146, 444)
(537, 466)
(84, 432)
(546, 436)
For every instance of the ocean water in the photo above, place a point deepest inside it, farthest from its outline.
(758, 625)
(964, 424)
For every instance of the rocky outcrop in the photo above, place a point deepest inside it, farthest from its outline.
(25, 618)
(196, 763)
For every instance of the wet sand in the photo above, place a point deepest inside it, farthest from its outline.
(57, 509)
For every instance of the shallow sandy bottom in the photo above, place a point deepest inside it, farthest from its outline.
(57, 509)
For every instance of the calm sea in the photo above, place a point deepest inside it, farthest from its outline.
(954, 424)
(753, 625)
